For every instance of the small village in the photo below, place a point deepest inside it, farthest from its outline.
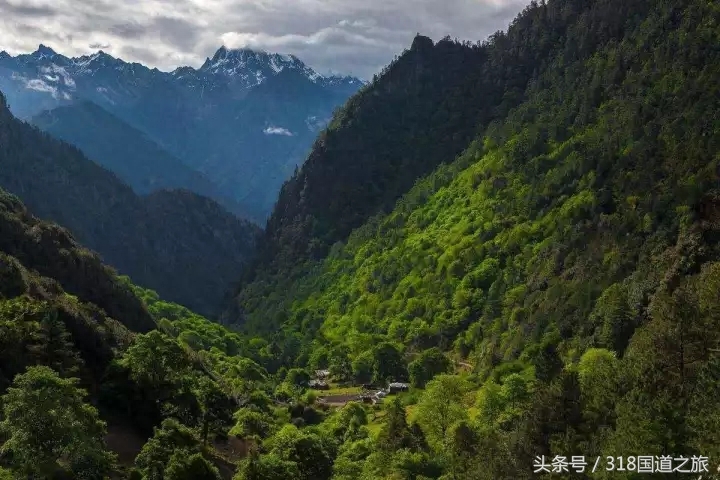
(368, 393)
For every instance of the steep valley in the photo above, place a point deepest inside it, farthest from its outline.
(500, 261)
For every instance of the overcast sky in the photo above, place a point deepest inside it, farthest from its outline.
(344, 36)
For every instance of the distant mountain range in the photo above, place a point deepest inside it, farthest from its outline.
(243, 120)
(174, 241)
(129, 153)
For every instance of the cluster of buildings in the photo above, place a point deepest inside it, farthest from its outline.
(371, 394)
(379, 395)
(320, 380)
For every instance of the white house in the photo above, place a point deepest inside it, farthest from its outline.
(398, 387)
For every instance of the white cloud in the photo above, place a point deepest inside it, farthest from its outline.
(344, 36)
(39, 85)
(278, 131)
(59, 72)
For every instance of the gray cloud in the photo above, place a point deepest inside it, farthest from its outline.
(25, 10)
(128, 30)
(139, 54)
(343, 36)
(176, 31)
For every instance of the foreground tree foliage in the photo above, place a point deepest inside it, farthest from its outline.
(174, 452)
(50, 430)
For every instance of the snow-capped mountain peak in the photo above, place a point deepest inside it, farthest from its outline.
(96, 60)
(253, 67)
(182, 71)
(44, 51)
(101, 77)
(244, 119)
(241, 68)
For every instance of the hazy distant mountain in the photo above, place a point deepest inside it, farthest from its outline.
(244, 119)
(128, 152)
(179, 243)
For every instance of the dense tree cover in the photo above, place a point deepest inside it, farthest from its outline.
(429, 363)
(56, 346)
(551, 291)
(174, 452)
(59, 305)
(569, 257)
(25, 241)
(252, 356)
(51, 430)
(157, 239)
(422, 111)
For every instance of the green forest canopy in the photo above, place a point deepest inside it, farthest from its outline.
(553, 290)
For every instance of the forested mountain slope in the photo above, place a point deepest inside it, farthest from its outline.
(550, 291)
(83, 369)
(155, 392)
(127, 152)
(181, 244)
(31, 245)
(570, 255)
(423, 110)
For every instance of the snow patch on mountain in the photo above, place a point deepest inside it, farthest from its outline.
(277, 68)
(89, 64)
(243, 68)
(83, 63)
(254, 67)
(44, 52)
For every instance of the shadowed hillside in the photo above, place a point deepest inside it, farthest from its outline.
(184, 245)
